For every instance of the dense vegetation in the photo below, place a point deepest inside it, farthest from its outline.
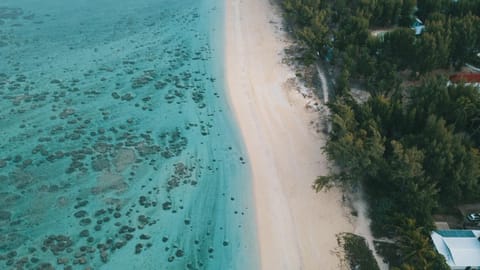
(357, 252)
(413, 146)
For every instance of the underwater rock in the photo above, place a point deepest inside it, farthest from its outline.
(45, 266)
(104, 256)
(8, 13)
(66, 113)
(85, 222)
(100, 146)
(182, 175)
(145, 236)
(119, 245)
(144, 150)
(5, 215)
(197, 96)
(84, 233)
(29, 17)
(62, 201)
(182, 170)
(148, 76)
(173, 143)
(81, 203)
(9, 199)
(125, 229)
(138, 248)
(9, 241)
(173, 182)
(100, 163)
(127, 97)
(26, 163)
(79, 254)
(21, 179)
(123, 158)
(143, 201)
(160, 85)
(57, 243)
(80, 214)
(143, 220)
(167, 205)
(21, 262)
(100, 212)
(179, 253)
(3, 163)
(17, 159)
(12, 254)
(107, 182)
(62, 261)
(81, 260)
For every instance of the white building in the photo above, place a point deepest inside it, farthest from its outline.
(418, 26)
(461, 248)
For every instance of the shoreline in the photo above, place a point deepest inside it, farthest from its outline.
(296, 227)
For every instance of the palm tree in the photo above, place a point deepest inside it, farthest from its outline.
(416, 249)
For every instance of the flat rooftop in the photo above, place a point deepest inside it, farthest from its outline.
(459, 247)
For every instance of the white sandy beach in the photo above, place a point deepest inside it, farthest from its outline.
(296, 227)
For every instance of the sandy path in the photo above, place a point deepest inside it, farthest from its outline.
(296, 226)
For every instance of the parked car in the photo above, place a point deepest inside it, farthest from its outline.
(473, 217)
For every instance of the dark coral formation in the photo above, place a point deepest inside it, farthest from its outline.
(74, 152)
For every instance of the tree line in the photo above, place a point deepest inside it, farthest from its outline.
(414, 148)
(412, 153)
(451, 37)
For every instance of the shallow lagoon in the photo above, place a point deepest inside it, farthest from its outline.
(117, 146)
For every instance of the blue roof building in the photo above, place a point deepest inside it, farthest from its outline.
(461, 248)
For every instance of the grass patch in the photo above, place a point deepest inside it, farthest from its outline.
(389, 252)
(357, 253)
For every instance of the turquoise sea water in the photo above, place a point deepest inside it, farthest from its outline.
(117, 146)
